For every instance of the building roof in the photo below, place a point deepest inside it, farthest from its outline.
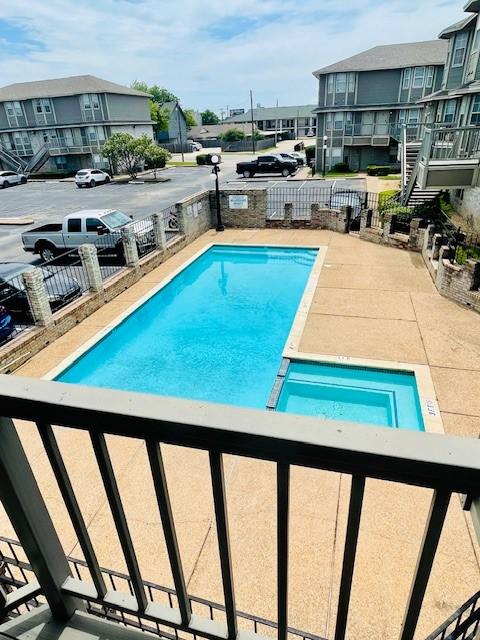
(205, 131)
(392, 56)
(273, 113)
(472, 5)
(71, 86)
(458, 26)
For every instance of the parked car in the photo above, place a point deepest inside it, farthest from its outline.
(83, 227)
(301, 158)
(267, 164)
(196, 146)
(348, 198)
(91, 177)
(60, 289)
(7, 326)
(9, 178)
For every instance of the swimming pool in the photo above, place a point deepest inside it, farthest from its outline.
(354, 394)
(215, 332)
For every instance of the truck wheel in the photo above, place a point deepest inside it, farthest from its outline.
(47, 251)
(285, 172)
(246, 174)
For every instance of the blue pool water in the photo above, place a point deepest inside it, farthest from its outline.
(216, 332)
(354, 394)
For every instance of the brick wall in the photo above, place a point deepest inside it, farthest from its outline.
(253, 217)
(194, 215)
(469, 206)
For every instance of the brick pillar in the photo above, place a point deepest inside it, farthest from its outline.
(130, 250)
(363, 220)
(288, 215)
(426, 237)
(159, 231)
(436, 243)
(91, 266)
(413, 239)
(37, 297)
(387, 225)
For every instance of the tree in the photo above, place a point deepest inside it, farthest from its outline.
(208, 117)
(156, 156)
(125, 150)
(190, 118)
(232, 135)
(159, 94)
(160, 116)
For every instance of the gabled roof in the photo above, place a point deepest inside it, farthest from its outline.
(272, 113)
(392, 56)
(205, 131)
(71, 86)
(458, 26)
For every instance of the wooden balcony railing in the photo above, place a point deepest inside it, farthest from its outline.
(445, 464)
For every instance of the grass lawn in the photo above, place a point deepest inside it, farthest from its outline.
(182, 164)
(389, 177)
(335, 174)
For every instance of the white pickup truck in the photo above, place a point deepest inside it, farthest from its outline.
(84, 227)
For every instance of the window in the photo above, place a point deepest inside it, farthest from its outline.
(92, 225)
(459, 49)
(338, 121)
(341, 83)
(407, 75)
(328, 124)
(351, 82)
(476, 41)
(429, 82)
(74, 225)
(413, 116)
(449, 110)
(475, 115)
(418, 77)
(330, 83)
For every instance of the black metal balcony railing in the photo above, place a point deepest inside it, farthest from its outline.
(445, 464)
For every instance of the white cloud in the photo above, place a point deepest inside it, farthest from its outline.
(176, 43)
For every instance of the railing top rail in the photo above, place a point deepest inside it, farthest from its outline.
(422, 459)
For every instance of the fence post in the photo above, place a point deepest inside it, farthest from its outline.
(88, 256)
(363, 220)
(436, 244)
(130, 250)
(159, 231)
(413, 238)
(288, 215)
(387, 225)
(347, 212)
(37, 297)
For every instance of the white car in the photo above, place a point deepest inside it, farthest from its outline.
(91, 177)
(8, 178)
(196, 146)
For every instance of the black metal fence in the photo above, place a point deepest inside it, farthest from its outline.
(15, 313)
(463, 624)
(15, 572)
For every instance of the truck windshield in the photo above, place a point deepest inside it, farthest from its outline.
(116, 219)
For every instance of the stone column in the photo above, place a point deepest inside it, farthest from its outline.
(436, 243)
(414, 234)
(159, 231)
(288, 214)
(426, 237)
(37, 297)
(363, 220)
(91, 266)
(130, 250)
(387, 223)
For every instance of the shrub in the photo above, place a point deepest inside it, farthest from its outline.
(342, 167)
(232, 135)
(378, 170)
(384, 197)
(202, 158)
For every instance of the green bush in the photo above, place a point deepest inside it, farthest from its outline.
(341, 167)
(463, 255)
(385, 196)
(232, 135)
(377, 170)
(202, 158)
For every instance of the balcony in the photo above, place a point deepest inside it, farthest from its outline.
(449, 158)
(59, 149)
(75, 602)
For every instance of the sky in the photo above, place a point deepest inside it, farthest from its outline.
(210, 53)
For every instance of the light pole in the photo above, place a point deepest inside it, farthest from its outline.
(325, 138)
(215, 160)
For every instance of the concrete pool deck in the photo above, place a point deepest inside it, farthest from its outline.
(371, 302)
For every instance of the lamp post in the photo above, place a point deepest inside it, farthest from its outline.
(215, 160)
(325, 138)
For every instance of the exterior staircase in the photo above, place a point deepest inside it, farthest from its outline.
(22, 165)
(412, 194)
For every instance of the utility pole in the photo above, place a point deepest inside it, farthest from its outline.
(180, 131)
(276, 127)
(253, 131)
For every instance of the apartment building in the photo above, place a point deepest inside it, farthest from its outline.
(364, 100)
(60, 125)
(287, 122)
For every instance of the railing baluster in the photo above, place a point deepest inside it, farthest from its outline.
(431, 537)
(283, 503)
(351, 539)
(111, 489)
(221, 517)
(164, 506)
(71, 503)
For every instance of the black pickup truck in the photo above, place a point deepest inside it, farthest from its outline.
(267, 164)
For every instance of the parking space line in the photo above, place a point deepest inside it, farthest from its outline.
(302, 185)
